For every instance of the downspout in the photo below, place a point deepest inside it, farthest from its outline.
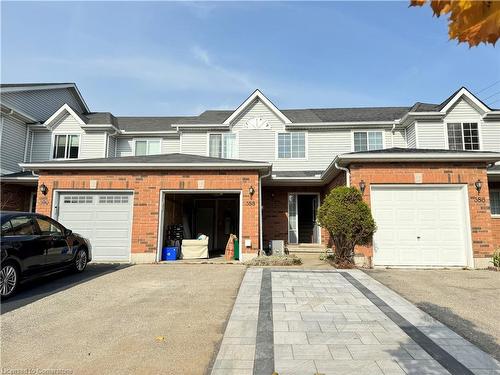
(347, 174)
(261, 236)
(392, 134)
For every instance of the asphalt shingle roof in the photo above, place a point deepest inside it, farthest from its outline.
(174, 158)
(399, 150)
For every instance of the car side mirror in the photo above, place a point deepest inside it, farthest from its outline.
(67, 232)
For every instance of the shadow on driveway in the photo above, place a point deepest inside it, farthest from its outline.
(463, 327)
(33, 290)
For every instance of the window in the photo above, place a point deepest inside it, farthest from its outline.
(48, 226)
(147, 147)
(21, 226)
(222, 145)
(368, 141)
(463, 136)
(79, 199)
(66, 146)
(106, 199)
(495, 201)
(291, 145)
(6, 229)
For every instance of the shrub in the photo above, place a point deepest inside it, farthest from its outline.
(275, 260)
(348, 220)
(496, 258)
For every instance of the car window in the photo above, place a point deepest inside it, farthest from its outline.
(48, 226)
(7, 229)
(22, 226)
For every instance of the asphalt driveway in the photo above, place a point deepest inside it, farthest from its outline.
(147, 319)
(466, 301)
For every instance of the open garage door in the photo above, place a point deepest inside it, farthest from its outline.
(104, 218)
(420, 225)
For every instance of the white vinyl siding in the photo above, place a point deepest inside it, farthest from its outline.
(170, 145)
(194, 143)
(411, 136)
(41, 148)
(462, 111)
(397, 139)
(13, 143)
(124, 147)
(490, 136)
(67, 124)
(92, 145)
(431, 135)
(40, 104)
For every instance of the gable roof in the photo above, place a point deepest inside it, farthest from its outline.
(256, 95)
(462, 91)
(66, 109)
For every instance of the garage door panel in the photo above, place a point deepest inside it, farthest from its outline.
(427, 222)
(104, 218)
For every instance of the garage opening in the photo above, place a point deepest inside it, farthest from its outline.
(199, 225)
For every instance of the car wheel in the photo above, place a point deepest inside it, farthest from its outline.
(80, 260)
(9, 280)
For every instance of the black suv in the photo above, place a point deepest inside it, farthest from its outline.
(32, 244)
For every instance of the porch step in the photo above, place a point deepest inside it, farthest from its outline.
(310, 248)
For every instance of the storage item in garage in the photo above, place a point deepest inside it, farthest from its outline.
(194, 249)
(277, 247)
(169, 253)
(236, 249)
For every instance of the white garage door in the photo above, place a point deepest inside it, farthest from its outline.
(104, 218)
(420, 226)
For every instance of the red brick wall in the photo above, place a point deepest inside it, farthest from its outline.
(146, 186)
(16, 197)
(436, 173)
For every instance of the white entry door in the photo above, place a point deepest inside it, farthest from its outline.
(420, 225)
(104, 218)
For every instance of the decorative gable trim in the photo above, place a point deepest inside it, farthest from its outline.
(463, 92)
(65, 109)
(257, 95)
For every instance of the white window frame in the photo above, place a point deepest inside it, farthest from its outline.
(53, 144)
(158, 139)
(236, 141)
(276, 145)
(368, 131)
(495, 190)
(480, 138)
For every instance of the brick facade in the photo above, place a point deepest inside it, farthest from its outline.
(436, 173)
(146, 186)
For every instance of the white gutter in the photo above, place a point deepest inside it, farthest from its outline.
(200, 126)
(473, 156)
(139, 132)
(347, 174)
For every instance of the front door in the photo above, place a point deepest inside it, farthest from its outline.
(302, 227)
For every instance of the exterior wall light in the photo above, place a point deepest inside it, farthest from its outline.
(362, 186)
(478, 184)
(251, 191)
(44, 189)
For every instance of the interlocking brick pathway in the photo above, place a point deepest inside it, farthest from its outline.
(337, 322)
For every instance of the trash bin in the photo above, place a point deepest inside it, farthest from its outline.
(169, 253)
(236, 249)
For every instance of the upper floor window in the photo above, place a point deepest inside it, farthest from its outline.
(147, 147)
(222, 145)
(66, 146)
(463, 136)
(495, 201)
(368, 140)
(291, 145)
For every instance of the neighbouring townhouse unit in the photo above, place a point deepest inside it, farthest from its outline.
(429, 172)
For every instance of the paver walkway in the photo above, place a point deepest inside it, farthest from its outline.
(337, 322)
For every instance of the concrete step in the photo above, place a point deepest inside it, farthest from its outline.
(306, 248)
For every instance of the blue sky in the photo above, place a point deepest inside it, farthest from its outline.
(167, 58)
